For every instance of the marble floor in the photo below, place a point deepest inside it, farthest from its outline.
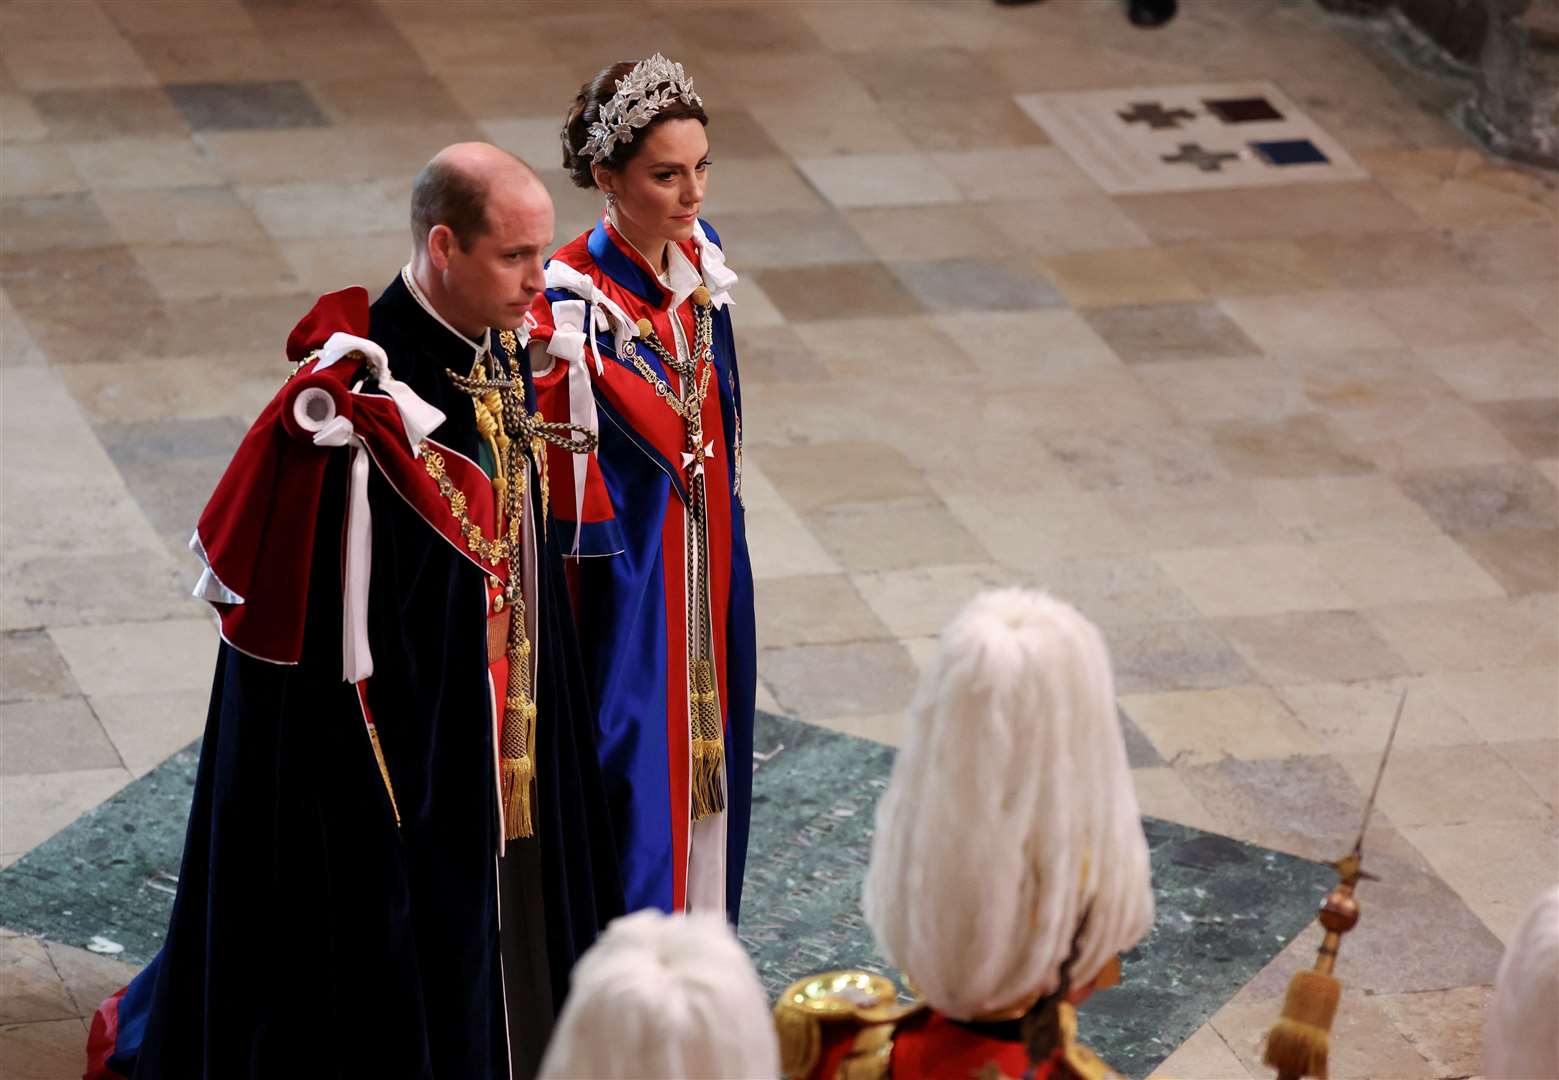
(1295, 447)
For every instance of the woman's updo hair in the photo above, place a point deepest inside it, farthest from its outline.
(586, 110)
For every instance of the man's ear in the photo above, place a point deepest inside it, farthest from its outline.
(441, 245)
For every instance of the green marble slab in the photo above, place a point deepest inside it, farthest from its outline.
(1224, 908)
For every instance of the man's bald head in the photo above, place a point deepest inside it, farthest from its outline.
(454, 189)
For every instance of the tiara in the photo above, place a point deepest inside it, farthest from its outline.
(653, 84)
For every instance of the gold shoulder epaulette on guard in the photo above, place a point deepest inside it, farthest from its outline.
(856, 998)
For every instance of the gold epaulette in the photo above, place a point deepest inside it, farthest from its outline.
(856, 998)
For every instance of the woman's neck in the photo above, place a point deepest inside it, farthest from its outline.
(652, 249)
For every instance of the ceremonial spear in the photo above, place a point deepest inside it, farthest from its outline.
(1297, 1043)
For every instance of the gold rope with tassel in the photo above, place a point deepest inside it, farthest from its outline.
(1299, 1043)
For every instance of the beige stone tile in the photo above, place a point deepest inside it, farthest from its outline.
(33, 989)
(309, 211)
(146, 729)
(85, 114)
(779, 544)
(920, 601)
(370, 260)
(33, 224)
(1322, 320)
(1180, 655)
(38, 170)
(815, 80)
(1496, 866)
(1030, 531)
(1113, 591)
(1030, 347)
(1250, 267)
(89, 979)
(62, 63)
(1496, 370)
(31, 669)
(821, 475)
(1531, 425)
(18, 348)
(35, 807)
(1504, 704)
(1375, 570)
(129, 658)
(407, 98)
(1521, 560)
(1162, 794)
(142, 161)
(1264, 213)
(765, 701)
(1204, 1055)
(1448, 315)
(911, 345)
(1460, 204)
(862, 180)
(1313, 646)
(849, 126)
(1513, 253)
(1326, 508)
(1447, 785)
(46, 444)
(819, 294)
(35, 20)
(1047, 222)
(241, 56)
(1356, 717)
(757, 185)
(909, 233)
(915, 75)
(868, 678)
(970, 124)
(1213, 391)
(812, 610)
(184, 388)
(1166, 518)
(180, 17)
(1537, 760)
(335, 155)
(197, 271)
(1008, 174)
(885, 728)
(1375, 260)
(1113, 278)
(1253, 580)
(1110, 457)
(68, 590)
(1364, 1043)
(1152, 333)
(42, 1051)
(894, 535)
(1445, 1026)
(1479, 498)
(1471, 635)
(1535, 299)
(187, 215)
(19, 120)
(754, 309)
(1201, 726)
(55, 735)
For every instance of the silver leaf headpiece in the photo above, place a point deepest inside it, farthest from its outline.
(653, 84)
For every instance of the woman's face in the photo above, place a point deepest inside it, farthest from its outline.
(660, 190)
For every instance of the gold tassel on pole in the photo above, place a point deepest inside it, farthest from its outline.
(708, 744)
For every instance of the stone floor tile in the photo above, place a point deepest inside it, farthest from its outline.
(18, 348)
(1166, 518)
(1313, 646)
(1537, 760)
(223, 56)
(885, 728)
(244, 106)
(1376, 570)
(39, 170)
(34, 989)
(1049, 222)
(139, 657)
(196, 271)
(1380, 259)
(1306, 805)
(1113, 591)
(19, 119)
(179, 389)
(962, 286)
(107, 113)
(1425, 434)
(1162, 794)
(404, 98)
(89, 978)
(1447, 785)
(1249, 267)
(1105, 458)
(309, 211)
(1356, 717)
(934, 74)
(866, 678)
(789, 239)
(861, 289)
(758, 310)
(1299, 446)
(177, 17)
(1535, 299)
(67, 63)
(815, 80)
(1445, 1026)
(1512, 253)
(1184, 655)
(66, 18)
(1142, 334)
(142, 161)
(776, 354)
(1253, 580)
(1483, 497)
(1446, 315)
(1031, 531)
(1319, 320)
(893, 535)
(371, 260)
(1471, 635)
(187, 215)
(1196, 727)
(815, 609)
(914, 345)
(147, 728)
(1496, 867)
(1531, 425)
(779, 544)
(42, 1050)
(920, 601)
(1268, 213)
(895, 233)
(31, 668)
(51, 736)
(1214, 391)
(1521, 560)
(821, 475)
(1204, 1055)
(849, 126)
(758, 185)
(382, 153)
(1000, 175)
(970, 124)
(1121, 277)
(1503, 370)
(32, 223)
(875, 180)
(36, 806)
(1364, 1043)
(1028, 347)
(68, 590)
(1504, 704)
(1324, 508)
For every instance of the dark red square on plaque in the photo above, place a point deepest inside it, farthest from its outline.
(1250, 110)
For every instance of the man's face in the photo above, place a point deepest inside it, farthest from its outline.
(495, 281)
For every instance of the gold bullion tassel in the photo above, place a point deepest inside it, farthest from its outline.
(1297, 1044)
(384, 771)
(519, 735)
(708, 744)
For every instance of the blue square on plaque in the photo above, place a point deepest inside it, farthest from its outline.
(1290, 152)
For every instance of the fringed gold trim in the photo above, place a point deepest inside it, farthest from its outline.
(517, 820)
(384, 772)
(708, 778)
(1298, 1042)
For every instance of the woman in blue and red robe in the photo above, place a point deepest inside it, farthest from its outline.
(633, 339)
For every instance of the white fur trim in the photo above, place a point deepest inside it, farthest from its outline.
(1521, 1040)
